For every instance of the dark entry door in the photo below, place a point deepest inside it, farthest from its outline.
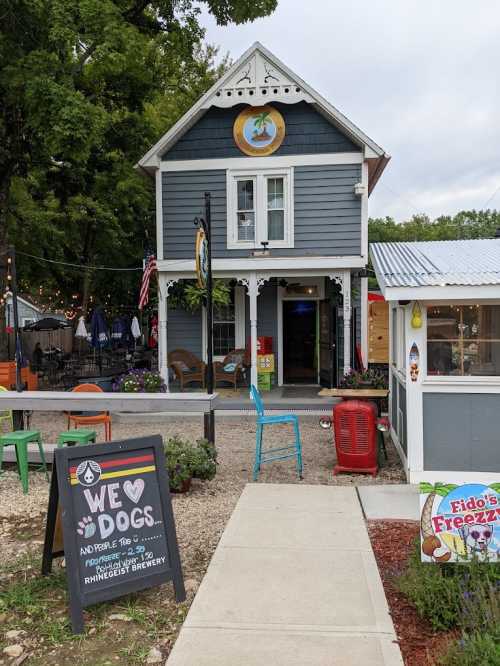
(327, 344)
(299, 342)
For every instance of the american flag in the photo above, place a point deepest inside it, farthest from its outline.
(149, 269)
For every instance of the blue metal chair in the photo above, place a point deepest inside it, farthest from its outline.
(262, 420)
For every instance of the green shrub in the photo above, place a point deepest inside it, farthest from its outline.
(186, 461)
(474, 650)
(450, 595)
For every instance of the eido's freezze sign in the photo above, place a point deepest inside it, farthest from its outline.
(118, 527)
(460, 523)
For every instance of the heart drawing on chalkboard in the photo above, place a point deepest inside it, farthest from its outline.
(134, 490)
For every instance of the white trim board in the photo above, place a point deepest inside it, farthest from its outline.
(270, 162)
(276, 264)
(454, 477)
(159, 216)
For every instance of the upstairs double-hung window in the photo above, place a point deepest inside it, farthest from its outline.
(260, 209)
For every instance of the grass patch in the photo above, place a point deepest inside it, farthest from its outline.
(33, 601)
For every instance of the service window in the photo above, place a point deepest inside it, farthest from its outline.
(463, 340)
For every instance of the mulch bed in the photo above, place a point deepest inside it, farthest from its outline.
(393, 542)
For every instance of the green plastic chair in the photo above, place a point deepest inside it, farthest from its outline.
(262, 420)
(20, 439)
(78, 436)
(7, 415)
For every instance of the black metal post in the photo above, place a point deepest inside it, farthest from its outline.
(11, 269)
(209, 418)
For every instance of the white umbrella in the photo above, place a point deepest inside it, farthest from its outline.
(81, 331)
(135, 328)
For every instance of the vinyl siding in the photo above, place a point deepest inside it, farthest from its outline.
(461, 432)
(327, 214)
(307, 132)
(184, 331)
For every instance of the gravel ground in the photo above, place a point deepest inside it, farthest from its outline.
(206, 508)
(201, 515)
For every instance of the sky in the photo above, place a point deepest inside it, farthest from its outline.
(422, 79)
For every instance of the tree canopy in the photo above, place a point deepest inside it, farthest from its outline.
(87, 86)
(463, 225)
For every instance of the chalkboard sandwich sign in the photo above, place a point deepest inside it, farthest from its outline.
(118, 528)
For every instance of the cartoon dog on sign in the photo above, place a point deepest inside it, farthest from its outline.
(477, 539)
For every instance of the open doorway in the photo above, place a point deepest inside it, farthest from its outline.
(299, 342)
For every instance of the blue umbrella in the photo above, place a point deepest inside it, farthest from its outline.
(117, 332)
(99, 336)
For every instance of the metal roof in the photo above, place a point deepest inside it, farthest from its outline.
(437, 263)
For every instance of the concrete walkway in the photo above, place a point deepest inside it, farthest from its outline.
(293, 582)
(390, 502)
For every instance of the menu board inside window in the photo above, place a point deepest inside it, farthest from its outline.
(463, 340)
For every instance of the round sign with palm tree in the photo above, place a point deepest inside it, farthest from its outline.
(259, 130)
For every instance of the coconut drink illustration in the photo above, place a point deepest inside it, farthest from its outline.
(431, 545)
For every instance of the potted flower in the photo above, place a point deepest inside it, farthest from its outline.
(140, 381)
(358, 379)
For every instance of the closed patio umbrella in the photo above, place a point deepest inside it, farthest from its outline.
(81, 331)
(99, 336)
(136, 330)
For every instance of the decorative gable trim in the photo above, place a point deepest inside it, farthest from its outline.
(252, 80)
(259, 81)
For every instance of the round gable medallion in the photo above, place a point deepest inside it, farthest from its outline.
(259, 130)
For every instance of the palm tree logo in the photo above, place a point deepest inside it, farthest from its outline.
(261, 121)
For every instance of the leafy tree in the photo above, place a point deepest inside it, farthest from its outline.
(86, 87)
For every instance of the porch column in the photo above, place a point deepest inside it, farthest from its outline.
(346, 293)
(162, 328)
(253, 292)
(164, 286)
(253, 283)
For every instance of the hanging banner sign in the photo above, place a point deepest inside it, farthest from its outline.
(201, 253)
(460, 523)
(118, 531)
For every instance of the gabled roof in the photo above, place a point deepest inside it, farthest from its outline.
(26, 302)
(457, 263)
(259, 78)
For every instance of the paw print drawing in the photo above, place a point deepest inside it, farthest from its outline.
(86, 527)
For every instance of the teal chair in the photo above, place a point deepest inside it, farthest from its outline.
(262, 420)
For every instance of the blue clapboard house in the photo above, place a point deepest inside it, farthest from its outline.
(290, 178)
